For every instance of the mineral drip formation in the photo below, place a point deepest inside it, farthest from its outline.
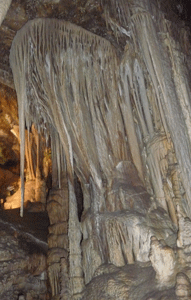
(122, 126)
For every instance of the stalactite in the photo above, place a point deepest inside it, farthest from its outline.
(170, 109)
(58, 103)
(54, 272)
(125, 85)
(41, 108)
(38, 175)
(153, 142)
(29, 158)
(75, 97)
(137, 21)
(143, 98)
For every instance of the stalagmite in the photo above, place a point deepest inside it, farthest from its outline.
(183, 286)
(163, 261)
(57, 207)
(75, 271)
(65, 289)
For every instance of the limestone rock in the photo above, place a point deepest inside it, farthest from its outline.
(55, 254)
(163, 260)
(60, 241)
(35, 206)
(124, 237)
(14, 201)
(183, 287)
(19, 270)
(184, 233)
(130, 282)
(57, 212)
(59, 228)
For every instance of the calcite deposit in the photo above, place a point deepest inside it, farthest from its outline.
(111, 97)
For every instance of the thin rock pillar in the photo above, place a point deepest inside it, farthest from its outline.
(75, 236)
(58, 210)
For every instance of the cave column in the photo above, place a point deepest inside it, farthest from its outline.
(75, 236)
(40, 182)
(64, 255)
(65, 284)
(58, 211)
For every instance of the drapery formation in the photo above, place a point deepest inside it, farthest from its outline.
(164, 57)
(81, 67)
(121, 124)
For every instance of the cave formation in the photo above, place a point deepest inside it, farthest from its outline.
(115, 108)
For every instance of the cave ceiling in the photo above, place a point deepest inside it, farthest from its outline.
(85, 13)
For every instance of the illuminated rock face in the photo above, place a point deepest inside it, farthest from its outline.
(121, 125)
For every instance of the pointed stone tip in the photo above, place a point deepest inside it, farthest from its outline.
(21, 212)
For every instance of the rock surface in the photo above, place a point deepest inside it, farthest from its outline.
(22, 264)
